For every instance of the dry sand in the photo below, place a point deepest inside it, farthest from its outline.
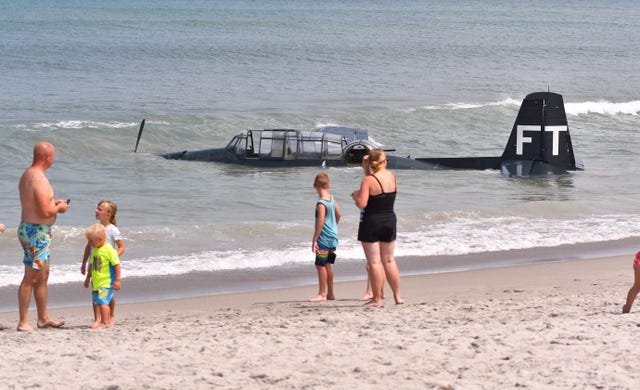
(541, 326)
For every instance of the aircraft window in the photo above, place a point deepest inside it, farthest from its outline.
(232, 144)
(279, 143)
(265, 146)
(251, 151)
(334, 148)
(311, 148)
(240, 147)
(310, 144)
(320, 145)
(277, 148)
(291, 146)
(272, 143)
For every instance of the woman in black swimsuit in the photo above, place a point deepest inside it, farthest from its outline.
(377, 230)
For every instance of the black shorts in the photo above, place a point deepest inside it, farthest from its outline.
(323, 259)
(378, 228)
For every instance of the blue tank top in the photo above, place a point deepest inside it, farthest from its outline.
(329, 234)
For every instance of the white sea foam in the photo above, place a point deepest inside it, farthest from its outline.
(82, 124)
(461, 236)
(604, 108)
(440, 235)
(579, 108)
(465, 106)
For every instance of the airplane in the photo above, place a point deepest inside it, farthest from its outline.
(539, 144)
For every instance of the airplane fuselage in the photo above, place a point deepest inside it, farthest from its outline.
(539, 144)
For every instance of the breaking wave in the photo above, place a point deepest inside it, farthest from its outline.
(439, 234)
(601, 107)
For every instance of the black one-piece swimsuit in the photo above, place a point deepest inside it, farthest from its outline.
(378, 220)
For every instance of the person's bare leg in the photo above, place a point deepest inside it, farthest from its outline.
(322, 285)
(633, 291)
(368, 294)
(97, 317)
(330, 295)
(376, 271)
(40, 294)
(391, 269)
(105, 313)
(112, 309)
(96, 310)
(30, 277)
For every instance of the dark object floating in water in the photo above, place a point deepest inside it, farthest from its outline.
(539, 144)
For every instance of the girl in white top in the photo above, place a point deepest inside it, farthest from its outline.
(106, 213)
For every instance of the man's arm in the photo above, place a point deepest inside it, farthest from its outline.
(46, 206)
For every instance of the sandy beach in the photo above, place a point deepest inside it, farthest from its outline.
(549, 325)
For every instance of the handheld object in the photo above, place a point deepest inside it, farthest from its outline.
(68, 201)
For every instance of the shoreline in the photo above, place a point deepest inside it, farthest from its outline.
(197, 284)
(532, 326)
(584, 274)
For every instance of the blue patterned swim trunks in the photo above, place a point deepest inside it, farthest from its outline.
(103, 296)
(35, 239)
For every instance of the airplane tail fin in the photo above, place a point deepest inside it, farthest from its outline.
(540, 135)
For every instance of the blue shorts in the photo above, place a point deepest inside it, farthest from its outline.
(34, 239)
(103, 296)
(325, 256)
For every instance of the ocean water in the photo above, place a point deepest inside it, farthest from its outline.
(429, 79)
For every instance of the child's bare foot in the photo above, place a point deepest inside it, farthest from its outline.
(318, 298)
(100, 325)
(331, 297)
(398, 299)
(626, 309)
(112, 321)
(96, 325)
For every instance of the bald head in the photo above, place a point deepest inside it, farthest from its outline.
(43, 153)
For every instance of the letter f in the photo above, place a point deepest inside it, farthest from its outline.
(521, 139)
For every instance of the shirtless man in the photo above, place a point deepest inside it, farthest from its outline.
(39, 211)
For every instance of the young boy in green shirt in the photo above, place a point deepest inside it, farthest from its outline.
(105, 275)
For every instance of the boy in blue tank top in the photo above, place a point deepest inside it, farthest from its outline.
(325, 237)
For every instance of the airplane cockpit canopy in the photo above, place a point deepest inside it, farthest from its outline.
(286, 144)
